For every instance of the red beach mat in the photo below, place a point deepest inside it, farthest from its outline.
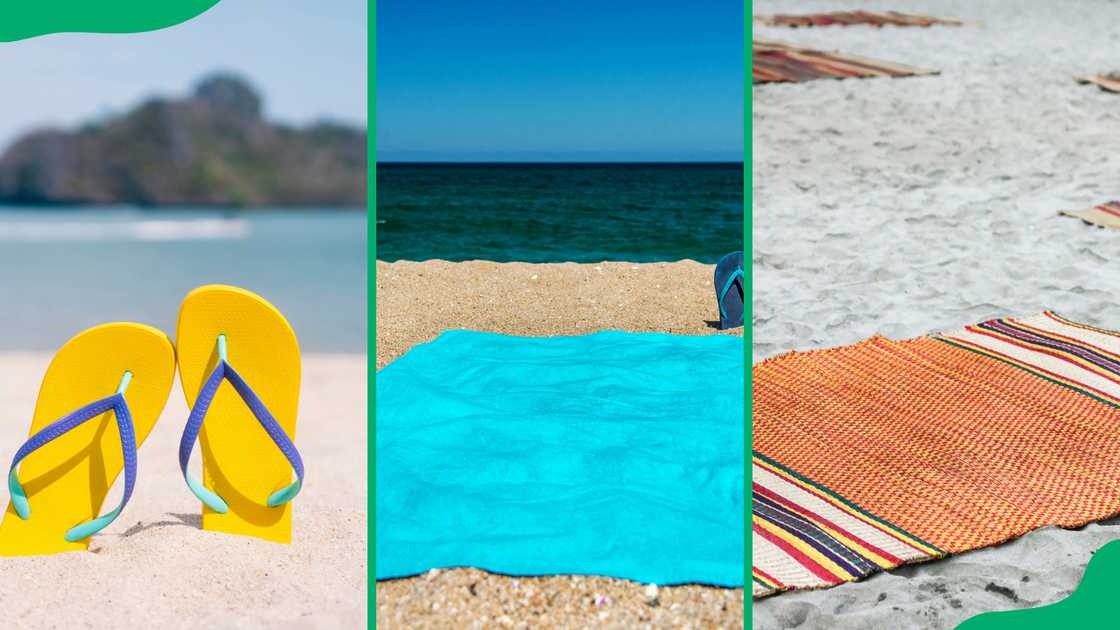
(778, 62)
(845, 18)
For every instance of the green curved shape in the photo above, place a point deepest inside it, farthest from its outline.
(1088, 606)
(21, 19)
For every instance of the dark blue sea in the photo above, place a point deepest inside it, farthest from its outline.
(559, 212)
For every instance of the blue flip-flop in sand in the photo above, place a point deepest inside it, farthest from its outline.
(729, 290)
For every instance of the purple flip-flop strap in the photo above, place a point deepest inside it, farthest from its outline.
(223, 372)
(119, 406)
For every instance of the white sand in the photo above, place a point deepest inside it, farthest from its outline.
(154, 567)
(901, 206)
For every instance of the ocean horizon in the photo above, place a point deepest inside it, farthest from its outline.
(559, 211)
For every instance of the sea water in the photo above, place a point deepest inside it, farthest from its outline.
(559, 212)
(65, 269)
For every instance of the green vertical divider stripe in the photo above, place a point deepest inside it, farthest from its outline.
(20, 19)
(748, 291)
(371, 310)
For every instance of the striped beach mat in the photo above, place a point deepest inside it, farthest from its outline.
(884, 453)
(779, 62)
(1104, 215)
(1106, 82)
(845, 18)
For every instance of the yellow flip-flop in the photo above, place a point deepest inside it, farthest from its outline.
(240, 368)
(100, 398)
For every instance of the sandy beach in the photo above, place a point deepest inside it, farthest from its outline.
(155, 567)
(417, 301)
(905, 206)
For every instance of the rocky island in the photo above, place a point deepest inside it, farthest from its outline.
(212, 148)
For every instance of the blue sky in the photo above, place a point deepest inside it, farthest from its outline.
(574, 80)
(307, 58)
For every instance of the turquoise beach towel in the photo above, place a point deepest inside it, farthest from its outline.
(616, 454)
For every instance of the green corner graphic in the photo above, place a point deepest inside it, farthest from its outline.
(21, 19)
(1088, 607)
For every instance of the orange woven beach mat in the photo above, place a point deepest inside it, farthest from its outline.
(779, 62)
(890, 452)
(846, 18)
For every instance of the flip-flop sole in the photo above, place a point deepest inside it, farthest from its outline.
(239, 461)
(67, 480)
